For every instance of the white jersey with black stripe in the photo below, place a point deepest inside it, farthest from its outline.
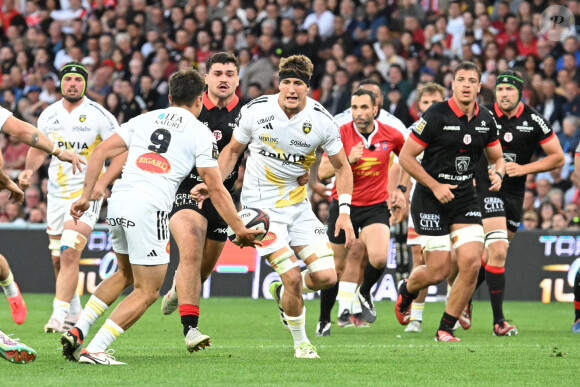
(282, 149)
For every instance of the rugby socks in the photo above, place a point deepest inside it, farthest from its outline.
(327, 300)
(406, 295)
(346, 296)
(370, 278)
(447, 323)
(417, 311)
(75, 305)
(60, 309)
(577, 295)
(92, 311)
(189, 317)
(9, 286)
(297, 326)
(104, 337)
(495, 277)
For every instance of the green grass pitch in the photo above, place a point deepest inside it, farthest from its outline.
(250, 347)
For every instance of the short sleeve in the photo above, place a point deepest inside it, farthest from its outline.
(544, 128)
(427, 128)
(243, 128)
(4, 114)
(331, 142)
(109, 125)
(126, 132)
(206, 150)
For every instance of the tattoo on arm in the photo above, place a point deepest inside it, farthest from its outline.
(34, 138)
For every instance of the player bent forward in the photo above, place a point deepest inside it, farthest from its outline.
(164, 145)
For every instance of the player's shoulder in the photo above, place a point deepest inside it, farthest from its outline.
(343, 118)
(257, 103)
(536, 119)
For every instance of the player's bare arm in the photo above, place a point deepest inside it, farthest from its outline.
(408, 160)
(554, 158)
(16, 195)
(344, 185)
(111, 147)
(107, 178)
(495, 157)
(223, 203)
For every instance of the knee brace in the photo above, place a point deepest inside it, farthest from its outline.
(283, 264)
(496, 236)
(435, 243)
(73, 239)
(324, 256)
(467, 234)
(54, 247)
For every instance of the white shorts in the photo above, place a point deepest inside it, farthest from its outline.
(58, 213)
(138, 229)
(294, 225)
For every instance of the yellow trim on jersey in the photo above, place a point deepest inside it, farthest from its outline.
(295, 196)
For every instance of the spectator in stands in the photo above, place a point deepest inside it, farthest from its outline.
(543, 186)
(113, 105)
(322, 17)
(531, 220)
(367, 27)
(131, 105)
(559, 222)
(547, 211)
(569, 136)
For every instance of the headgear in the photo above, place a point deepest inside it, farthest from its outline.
(510, 77)
(73, 68)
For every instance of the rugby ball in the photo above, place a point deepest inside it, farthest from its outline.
(253, 218)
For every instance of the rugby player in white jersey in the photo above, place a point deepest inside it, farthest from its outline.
(164, 145)
(282, 132)
(78, 124)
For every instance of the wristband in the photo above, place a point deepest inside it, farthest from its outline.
(344, 203)
(53, 149)
(500, 175)
(61, 152)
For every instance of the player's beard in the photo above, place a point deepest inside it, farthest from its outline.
(73, 100)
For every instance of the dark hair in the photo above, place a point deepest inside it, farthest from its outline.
(361, 92)
(223, 58)
(185, 86)
(467, 66)
(369, 81)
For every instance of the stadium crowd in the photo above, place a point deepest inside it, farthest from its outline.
(131, 47)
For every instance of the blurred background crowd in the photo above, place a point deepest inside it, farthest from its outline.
(130, 48)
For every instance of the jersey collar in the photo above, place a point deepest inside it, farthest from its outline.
(209, 105)
(456, 110)
(500, 113)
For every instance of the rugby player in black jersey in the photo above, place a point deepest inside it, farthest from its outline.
(200, 233)
(454, 135)
(521, 130)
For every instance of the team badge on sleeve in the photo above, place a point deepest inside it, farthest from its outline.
(420, 126)
(215, 152)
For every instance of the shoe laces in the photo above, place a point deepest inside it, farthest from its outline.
(109, 353)
(8, 339)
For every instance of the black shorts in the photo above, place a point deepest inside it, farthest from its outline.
(216, 226)
(509, 206)
(360, 216)
(431, 217)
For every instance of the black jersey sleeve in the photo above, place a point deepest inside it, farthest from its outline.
(428, 127)
(542, 126)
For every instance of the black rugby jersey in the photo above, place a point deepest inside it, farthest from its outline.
(454, 146)
(221, 122)
(519, 137)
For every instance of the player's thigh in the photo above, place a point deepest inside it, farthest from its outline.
(149, 277)
(211, 253)
(340, 253)
(376, 238)
(188, 228)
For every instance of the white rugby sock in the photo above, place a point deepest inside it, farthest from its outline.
(105, 336)
(93, 310)
(75, 305)
(60, 309)
(9, 286)
(345, 296)
(417, 311)
(297, 327)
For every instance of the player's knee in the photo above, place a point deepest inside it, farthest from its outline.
(473, 233)
(439, 275)
(54, 247)
(72, 239)
(325, 279)
(293, 283)
(497, 243)
(283, 263)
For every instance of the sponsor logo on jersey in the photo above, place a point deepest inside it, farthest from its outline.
(123, 222)
(221, 230)
(268, 126)
(268, 239)
(284, 156)
(183, 199)
(55, 122)
(72, 145)
(472, 214)
(307, 127)
(385, 145)
(430, 221)
(81, 128)
(467, 139)
(265, 120)
(300, 144)
(451, 127)
(508, 137)
(320, 231)
(420, 126)
(217, 134)
(462, 164)
(493, 204)
(237, 120)
(268, 139)
(513, 223)
(448, 176)
(509, 157)
(482, 128)
(82, 117)
(215, 151)
(541, 122)
(170, 121)
(364, 168)
(153, 163)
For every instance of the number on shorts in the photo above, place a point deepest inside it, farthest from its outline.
(161, 139)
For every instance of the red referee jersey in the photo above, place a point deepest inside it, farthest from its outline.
(371, 172)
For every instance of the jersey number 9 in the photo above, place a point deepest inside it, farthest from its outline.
(161, 139)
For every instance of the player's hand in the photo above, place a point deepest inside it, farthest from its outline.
(16, 194)
(495, 181)
(514, 169)
(303, 179)
(397, 199)
(443, 192)
(73, 158)
(398, 214)
(343, 223)
(78, 208)
(98, 191)
(320, 189)
(356, 153)
(24, 178)
(199, 193)
(246, 237)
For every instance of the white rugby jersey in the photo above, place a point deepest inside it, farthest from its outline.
(79, 131)
(164, 146)
(4, 114)
(282, 149)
